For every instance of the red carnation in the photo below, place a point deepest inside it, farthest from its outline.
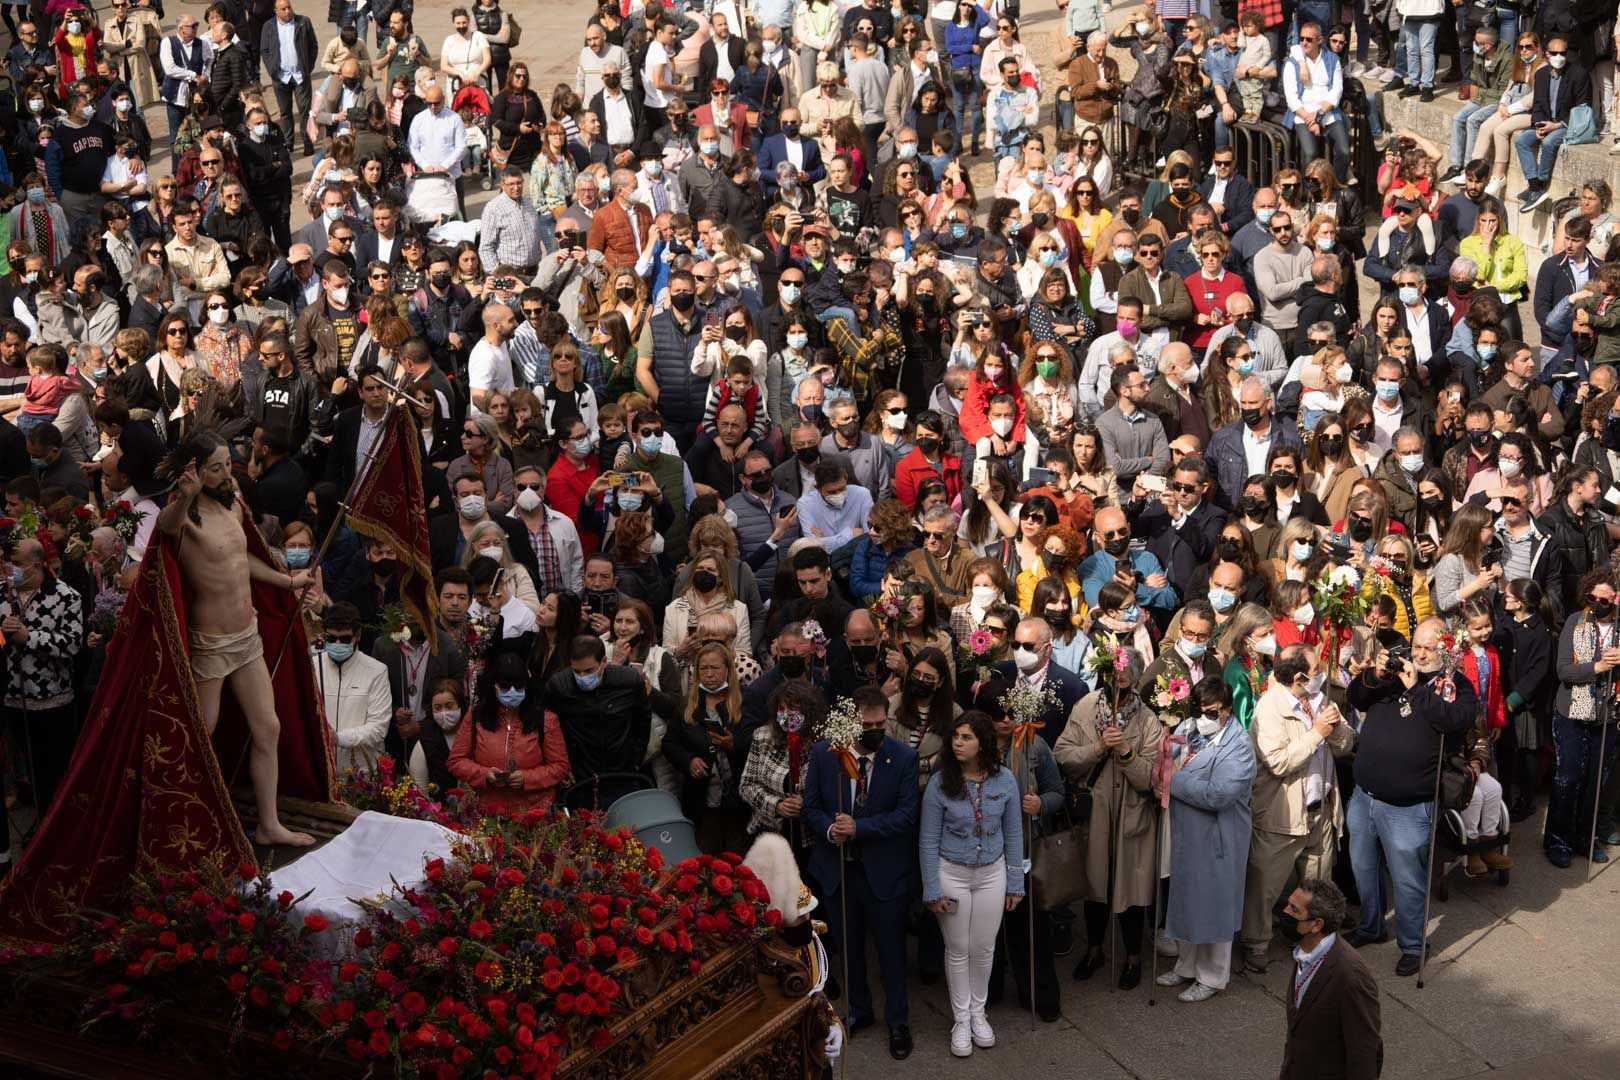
(344, 1011)
(413, 1003)
(479, 928)
(374, 1019)
(285, 899)
(316, 923)
(448, 946)
(282, 1041)
(293, 994)
(348, 971)
(379, 1043)
(246, 920)
(362, 939)
(246, 870)
(259, 996)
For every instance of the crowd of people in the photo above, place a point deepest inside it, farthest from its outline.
(744, 417)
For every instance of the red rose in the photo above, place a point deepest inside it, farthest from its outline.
(293, 994)
(721, 884)
(503, 1054)
(348, 971)
(552, 981)
(315, 923)
(374, 1019)
(606, 946)
(486, 971)
(448, 946)
(168, 939)
(644, 936)
(480, 929)
(773, 918)
(236, 954)
(285, 900)
(282, 1041)
(362, 939)
(246, 870)
(259, 996)
(626, 956)
(246, 920)
(390, 951)
(413, 1003)
(385, 980)
(379, 1043)
(237, 982)
(344, 1010)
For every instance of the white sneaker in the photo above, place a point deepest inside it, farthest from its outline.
(1494, 188)
(1358, 69)
(1170, 978)
(1166, 948)
(1195, 993)
(961, 1040)
(984, 1036)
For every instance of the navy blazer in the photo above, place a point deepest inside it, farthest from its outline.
(1070, 688)
(1239, 202)
(1574, 88)
(885, 829)
(1231, 461)
(774, 150)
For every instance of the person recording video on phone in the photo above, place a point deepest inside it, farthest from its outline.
(1112, 559)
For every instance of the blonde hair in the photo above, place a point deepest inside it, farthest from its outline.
(694, 695)
(721, 573)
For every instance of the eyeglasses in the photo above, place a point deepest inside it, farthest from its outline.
(380, 276)
(1004, 26)
(1557, 52)
(209, 161)
(911, 213)
(904, 173)
(1309, 40)
(930, 535)
(1282, 228)
(232, 196)
(342, 239)
(173, 330)
(1223, 163)
(702, 277)
(652, 433)
(994, 631)
(1117, 534)
(1184, 489)
(1212, 253)
(1151, 252)
(533, 312)
(1035, 519)
(266, 354)
(336, 637)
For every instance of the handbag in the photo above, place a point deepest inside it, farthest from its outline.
(1456, 783)
(1057, 873)
(514, 31)
(1077, 798)
(962, 77)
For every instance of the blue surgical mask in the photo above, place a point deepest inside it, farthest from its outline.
(332, 213)
(1131, 614)
(1193, 650)
(1408, 295)
(1412, 463)
(709, 147)
(1487, 353)
(339, 651)
(906, 151)
(582, 445)
(39, 463)
(36, 194)
(1263, 214)
(588, 682)
(1124, 256)
(260, 130)
(959, 229)
(1221, 599)
(798, 341)
(629, 500)
(651, 444)
(511, 697)
(791, 293)
(1388, 389)
(1301, 551)
(1246, 367)
(1049, 257)
(297, 558)
(1036, 177)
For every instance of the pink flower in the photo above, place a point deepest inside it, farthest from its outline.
(1121, 661)
(1179, 689)
(979, 641)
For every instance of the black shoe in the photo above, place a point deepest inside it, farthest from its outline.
(1356, 939)
(1130, 976)
(1559, 857)
(1427, 95)
(1410, 91)
(900, 1042)
(857, 1024)
(1395, 85)
(1049, 1016)
(1089, 965)
(1062, 938)
(1407, 965)
(1521, 810)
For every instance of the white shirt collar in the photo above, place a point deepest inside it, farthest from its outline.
(1304, 960)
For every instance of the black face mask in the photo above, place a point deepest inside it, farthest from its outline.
(808, 455)
(682, 301)
(1290, 930)
(791, 129)
(625, 292)
(384, 567)
(1117, 547)
(919, 689)
(1582, 342)
(1433, 506)
(863, 655)
(1243, 323)
(441, 281)
(1038, 220)
(1288, 191)
(611, 81)
(1288, 479)
(704, 581)
(1253, 417)
(1362, 434)
(739, 334)
(849, 430)
(872, 739)
(1228, 549)
(352, 84)
(1254, 507)
(1057, 618)
(760, 485)
(1332, 445)
(1361, 530)
(792, 666)
(677, 123)
(1600, 608)
(928, 446)
(1131, 216)
(1052, 561)
(1480, 439)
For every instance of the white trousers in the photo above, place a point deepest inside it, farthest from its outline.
(1209, 964)
(980, 893)
(1484, 816)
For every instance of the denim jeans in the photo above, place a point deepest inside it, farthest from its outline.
(969, 110)
(1418, 38)
(1536, 156)
(1397, 838)
(1576, 781)
(1465, 130)
(1375, 113)
(1336, 136)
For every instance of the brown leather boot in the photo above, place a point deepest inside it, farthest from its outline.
(1476, 866)
(1497, 859)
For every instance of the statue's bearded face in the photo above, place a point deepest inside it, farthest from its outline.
(216, 476)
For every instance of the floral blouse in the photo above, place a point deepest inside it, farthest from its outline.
(551, 183)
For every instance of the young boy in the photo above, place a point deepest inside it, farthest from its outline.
(738, 388)
(611, 420)
(47, 390)
(1254, 66)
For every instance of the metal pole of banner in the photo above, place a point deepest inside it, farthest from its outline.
(1115, 931)
(1428, 877)
(1158, 884)
(1029, 875)
(1597, 796)
(843, 940)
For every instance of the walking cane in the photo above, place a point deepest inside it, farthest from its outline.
(1597, 797)
(1153, 924)
(1428, 877)
(1029, 877)
(1115, 935)
(843, 939)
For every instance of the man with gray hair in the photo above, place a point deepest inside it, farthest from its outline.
(941, 561)
(1240, 449)
(1320, 303)
(621, 229)
(1270, 361)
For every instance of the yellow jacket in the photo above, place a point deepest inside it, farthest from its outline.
(1027, 579)
(1503, 266)
(1374, 583)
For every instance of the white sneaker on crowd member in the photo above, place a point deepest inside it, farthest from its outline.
(1170, 978)
(1195, 993)
(1494, 188)
(961, 1040)
(984, 1036)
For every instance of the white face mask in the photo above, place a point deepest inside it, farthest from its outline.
(1304, 614)
(984, 596)
(471, 507)
(1002, 426)
(447, 719)
(220, 316)
(896, 421)
(339, 295)
(836, 501)
(1027, 661)
(1207, 726)
(1266, 646)
(1509, 467)
(1142, 28)
(528, 500)
(1316, 683)
(494, 551)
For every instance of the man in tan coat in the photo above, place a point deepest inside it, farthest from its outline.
(828, 102)
(1297, 809)
(1094, 84)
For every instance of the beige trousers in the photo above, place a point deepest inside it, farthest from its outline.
(1495, 141)
(1276, 861)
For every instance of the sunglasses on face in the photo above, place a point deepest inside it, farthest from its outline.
(531, 487)
(1184, 489)
(472, 433)
(941, 536)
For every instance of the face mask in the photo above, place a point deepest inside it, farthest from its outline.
(846, 266)
(511, 697)
(791, 294)
(494, 551)
(1126, 327)
(872, 739)
(340, 651)
(442, 281)
(906, 151)
(1325, 243)
(720, 689)
(32, 277)
(260, 130)
(36, 104)
(1052, 561)
(625, 292)
(992, 372)
(1142, 28)
(798, 342)
(895, 421)
(1254, 507)
(1409, 295)
(1509, 468)
(123, 105)
(528, 500)
(836, 500)
(1266, 646)
(1304, 614)
(1002, 426)
(984, 596)
(704, 581)
(1193, 650)
(1388, 389)
(587, 682)
(332, 213)
(1026, 660)
(611, 81)
(1222, 599)
(98, 374)
(709, 147)
(792, 666)
(1558, 62)
(682, 302)
(36, 195)
(1208, 726)
(1036, 177)
(1246, 367)
(471, 507)
(1243, 323)
(1057, 618)
(959, 229)
(1049, 257)
(651, 445)
(1332, 445)
(1412, 463)
(75, 26)
(808, 455)
(629, 501)
(1117, 547)
(339, 296)
(1288, 479)
(447, 719)
(1047, 369)
(791, 129)
(1253, 418)
(1124, 256)
(297, 558)
(1317, 681)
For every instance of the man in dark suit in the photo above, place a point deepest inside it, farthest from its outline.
(383, 241)
(1031, 663)
(356, 430)
(332, 211)
(1559, 87)
(1234, 202)
(1333, 1016)
(447, 533)
(788, 145)
(412, 671)
(721, 40)
(873, 818)
(1185, 510)
(1228, 455)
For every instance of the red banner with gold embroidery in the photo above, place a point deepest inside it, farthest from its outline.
(391, 506)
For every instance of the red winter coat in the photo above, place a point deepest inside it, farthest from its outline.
(911, 471)
(1495, 705)
(66, 72)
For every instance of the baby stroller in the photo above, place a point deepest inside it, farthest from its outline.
(471, 103)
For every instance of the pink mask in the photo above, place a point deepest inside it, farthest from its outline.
(1126, 327)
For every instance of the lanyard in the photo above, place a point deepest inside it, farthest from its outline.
(1302, 980)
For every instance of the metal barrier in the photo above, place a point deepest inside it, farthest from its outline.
(1261, 150)
(1364, 156)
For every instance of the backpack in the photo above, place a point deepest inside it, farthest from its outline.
(1582, 126)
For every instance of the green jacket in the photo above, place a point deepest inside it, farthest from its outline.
(1490, 74)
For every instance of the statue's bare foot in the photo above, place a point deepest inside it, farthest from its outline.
(279, 834)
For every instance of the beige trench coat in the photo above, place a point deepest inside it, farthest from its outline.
(127, 49)
(1078, 750)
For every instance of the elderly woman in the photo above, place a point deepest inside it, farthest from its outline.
(773, 775)
(489, 539)
(1112, 746)
(222, 344)
(1208, 800)
(512, 753)
(481, 456)
(1251, 644)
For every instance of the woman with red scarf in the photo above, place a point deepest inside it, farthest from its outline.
(77, 44)
(1485, 816)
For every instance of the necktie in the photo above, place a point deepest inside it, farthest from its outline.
(860, 785)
